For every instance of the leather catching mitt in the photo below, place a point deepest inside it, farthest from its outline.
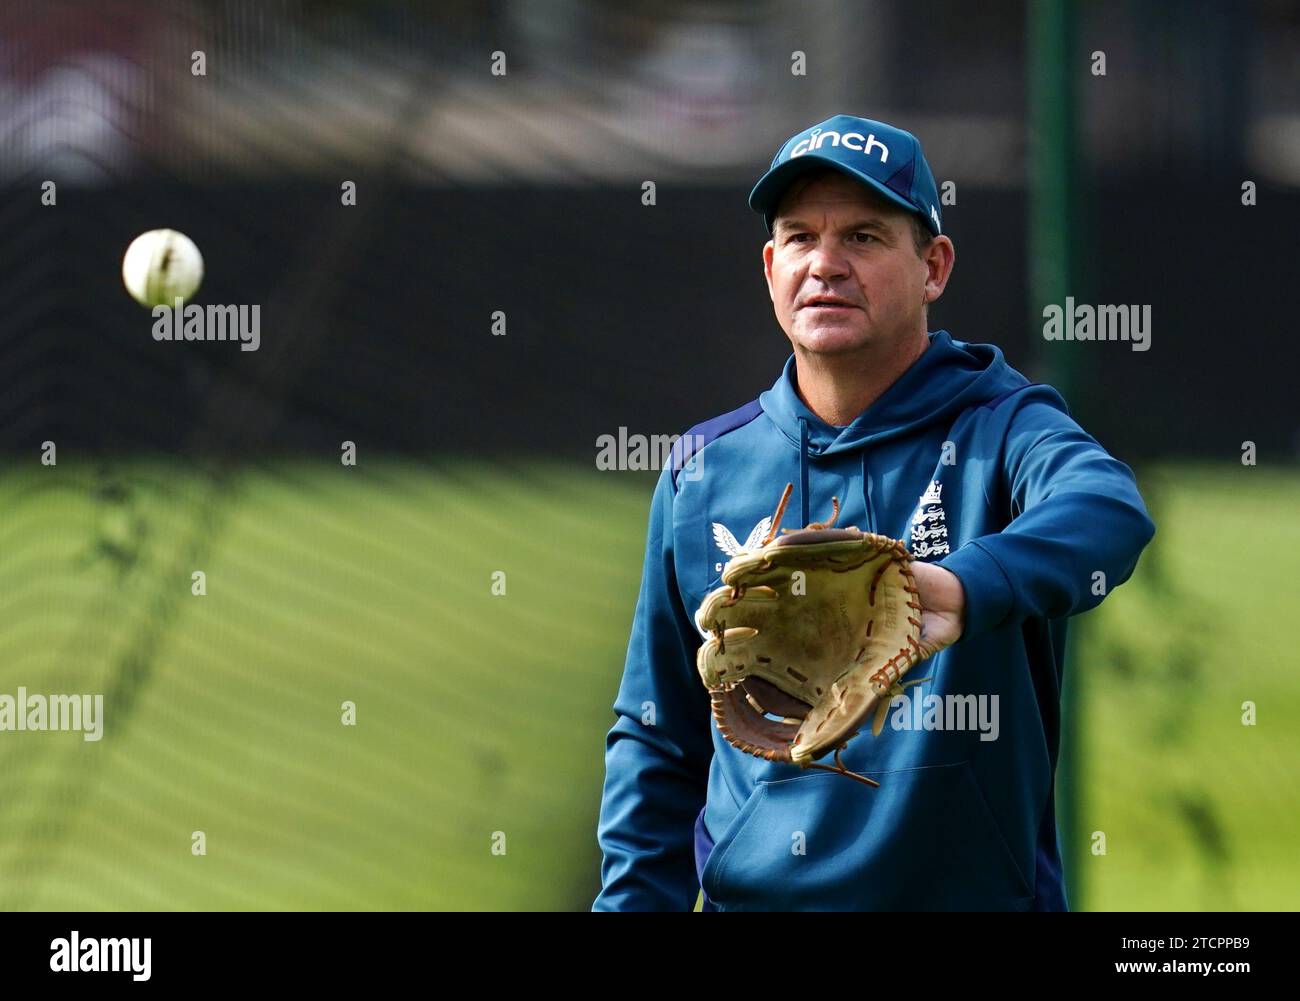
(810, 632)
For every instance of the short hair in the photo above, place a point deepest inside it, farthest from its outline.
(921, 234)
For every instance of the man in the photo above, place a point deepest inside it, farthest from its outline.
(1016, 518)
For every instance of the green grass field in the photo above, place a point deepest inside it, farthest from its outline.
(482, 717)
(1199, 811)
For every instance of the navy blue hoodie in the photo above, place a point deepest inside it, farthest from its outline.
(976, 470)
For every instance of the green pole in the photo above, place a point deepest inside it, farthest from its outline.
(1054, 216)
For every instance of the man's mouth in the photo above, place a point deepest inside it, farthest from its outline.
(828, 303)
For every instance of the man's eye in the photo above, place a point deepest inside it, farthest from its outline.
(865, 237)
(796, 237)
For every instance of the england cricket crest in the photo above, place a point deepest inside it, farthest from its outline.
(930, 525)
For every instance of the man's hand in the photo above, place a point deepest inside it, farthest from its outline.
(943, 606)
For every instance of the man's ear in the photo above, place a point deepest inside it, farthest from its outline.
(769, 249)
(938, 258)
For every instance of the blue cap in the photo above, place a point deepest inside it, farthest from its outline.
(886, 159)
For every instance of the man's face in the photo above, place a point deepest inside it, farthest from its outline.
(842, 269)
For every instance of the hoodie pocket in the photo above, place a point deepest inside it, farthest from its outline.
(925, 840)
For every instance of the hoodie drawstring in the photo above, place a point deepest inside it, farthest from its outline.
(803, 480)
(803, 470)
(866, 494)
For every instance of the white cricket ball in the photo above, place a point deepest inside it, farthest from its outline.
(160, 266)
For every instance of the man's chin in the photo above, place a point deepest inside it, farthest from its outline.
(832, 340)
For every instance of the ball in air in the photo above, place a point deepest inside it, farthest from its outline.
(161, 266)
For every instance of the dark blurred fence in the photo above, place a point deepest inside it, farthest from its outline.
(617, 314)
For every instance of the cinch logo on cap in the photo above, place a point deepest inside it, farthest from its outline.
(851, 140)
(887, 160)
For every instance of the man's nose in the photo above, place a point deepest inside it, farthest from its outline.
(828, 262)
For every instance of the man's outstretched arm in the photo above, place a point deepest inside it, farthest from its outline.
(1080, 524)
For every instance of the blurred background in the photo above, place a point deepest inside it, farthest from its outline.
(481, 714)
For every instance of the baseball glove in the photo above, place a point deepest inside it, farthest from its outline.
(796, 664)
